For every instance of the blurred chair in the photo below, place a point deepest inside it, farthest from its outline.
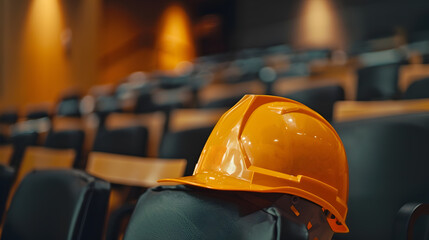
(39, 158)
(127, 141)
(72, 139)
(8, 117)
(351, 110)
(320, 99)
(57, 204)
(7, 175)
(378, 82)
(154, 123)
(131, 141)
(418, 89)
(187, 133)
(343, 74)
(408, 74)
(88, 124)
(186, 144)
(20, 142)
(39, 110)
(226, 95)
(145, 104)
(131, 173)
(183, 119)
(3, 139)
(69, 107)
(387, 159)
(320, 95)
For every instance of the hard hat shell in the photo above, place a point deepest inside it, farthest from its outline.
(274, 144)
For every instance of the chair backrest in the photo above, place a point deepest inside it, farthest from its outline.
(7, 175)
(154, 122)
(411, 73)
(179, 212)
(20, 142)
(351, 110)
(72, 139)
(320, 99)
(88, 123)
(39, 158)
(9, 117)
(186, 144)
(69, 107)
(127, 141)
(378, 82)
(417, 89)
(133, 171)
(57, 204)
(388, 162)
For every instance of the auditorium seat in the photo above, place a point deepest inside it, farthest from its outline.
(72, 139)
(226, 95)
(186, 144)
(387, 159)
(320, 99)
(378, 82)
(20, 142)
(417, 89)
(57, 204)
(69, 107)
(127, 141)
(7, 175)
(40, 158)
(154, 123)
(131, 176)
(8, 117)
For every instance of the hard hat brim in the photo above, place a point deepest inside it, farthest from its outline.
(225, 183)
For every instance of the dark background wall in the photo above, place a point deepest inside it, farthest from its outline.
(261, 23)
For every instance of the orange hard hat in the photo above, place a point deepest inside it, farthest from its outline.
(274, 144)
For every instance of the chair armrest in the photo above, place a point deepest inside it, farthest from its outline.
(406, 218)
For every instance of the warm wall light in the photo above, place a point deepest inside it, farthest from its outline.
(175, 42)
(319, 26)
(42, 57)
